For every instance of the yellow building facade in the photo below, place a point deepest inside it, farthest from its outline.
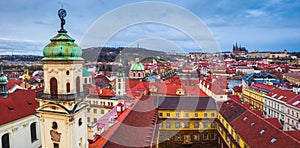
(183, 125)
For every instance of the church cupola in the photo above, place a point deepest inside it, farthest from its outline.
(62, 47)
(137, 70)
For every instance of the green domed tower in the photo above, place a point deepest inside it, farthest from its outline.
(62, 48)
(137, 70)
(62, 108)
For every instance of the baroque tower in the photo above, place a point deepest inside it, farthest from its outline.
(62, 109)
(120, 83)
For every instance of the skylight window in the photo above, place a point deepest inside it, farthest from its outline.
(262, 131)
(296, 103)
(252, 124)
(280, 97)
(273, 140)
(245, 118)
(274, 95)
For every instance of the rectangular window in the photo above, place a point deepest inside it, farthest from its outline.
(168, 125)
(160, 125)
(177, 125)
(196, 115)
(95, 111)
(212, 114)
(5, 141)
(102, 111)
(186, 124)
(205, 124)
(33, 132)
(177, 115)
(213, 136)
(160, 114)
(196, 124)
(205, 115)
(88, 119)
(168, 114)
(55, 145)
(213, 124)
(95, 120)
(186, 115)
(205, 136)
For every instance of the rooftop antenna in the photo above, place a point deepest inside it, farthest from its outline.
(138, 45)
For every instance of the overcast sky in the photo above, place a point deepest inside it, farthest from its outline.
(271, 25)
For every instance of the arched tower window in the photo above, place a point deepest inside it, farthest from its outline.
(53, 86)
(68, 87)
(5, 141)
(78, 84)
(33, 132)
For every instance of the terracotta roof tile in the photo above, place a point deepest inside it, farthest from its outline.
(17, 105)
(258, 133)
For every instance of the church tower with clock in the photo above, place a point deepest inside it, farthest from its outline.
(62, 109)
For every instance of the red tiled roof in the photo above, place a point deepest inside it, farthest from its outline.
(287, 95)
(295, 102)
(230, 110)
(136, 127)
(17, 105)
(293, 75)
(258, 133)
(262, 86)
(237, 88)
(12, 83)
(274, 122)
(295, 134)
(105, 92)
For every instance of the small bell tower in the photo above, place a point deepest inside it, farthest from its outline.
(120, 83)
(62, 108)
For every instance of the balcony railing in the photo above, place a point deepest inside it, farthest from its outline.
(60, 97)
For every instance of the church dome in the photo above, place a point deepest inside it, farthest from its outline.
(62, 47)
(137, 66)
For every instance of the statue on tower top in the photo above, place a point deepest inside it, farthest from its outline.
(62, 14)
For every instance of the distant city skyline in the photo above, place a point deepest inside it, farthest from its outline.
(272, 25)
